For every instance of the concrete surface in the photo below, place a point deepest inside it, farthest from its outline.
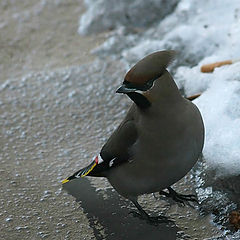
(53, 122)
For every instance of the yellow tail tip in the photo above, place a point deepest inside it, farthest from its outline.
(65, 181)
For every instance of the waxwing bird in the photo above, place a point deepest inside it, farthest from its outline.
(158, 141)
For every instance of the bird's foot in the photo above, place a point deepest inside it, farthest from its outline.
(144, 216)
(180, 198)
(149, 219)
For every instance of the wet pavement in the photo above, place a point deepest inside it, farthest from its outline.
(43, 117)
(109, 216)
(52, 123)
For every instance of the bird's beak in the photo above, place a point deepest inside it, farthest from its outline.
(125, 89)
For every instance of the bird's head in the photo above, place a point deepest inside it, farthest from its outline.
(142, 75)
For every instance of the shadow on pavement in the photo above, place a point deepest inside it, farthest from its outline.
(114, 219)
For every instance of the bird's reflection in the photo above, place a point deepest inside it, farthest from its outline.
(113, 218)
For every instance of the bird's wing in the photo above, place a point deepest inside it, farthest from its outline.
(120, 141)
(117, 149)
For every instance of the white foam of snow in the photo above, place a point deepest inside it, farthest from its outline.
(220, 108)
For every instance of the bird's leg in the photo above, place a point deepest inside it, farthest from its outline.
(143, 215)
(180, 198)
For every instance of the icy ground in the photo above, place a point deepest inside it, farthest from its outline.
(54, 121)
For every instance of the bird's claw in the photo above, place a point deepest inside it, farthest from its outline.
(136, 214)
(185, 199)
(180, 198)
(151, 220)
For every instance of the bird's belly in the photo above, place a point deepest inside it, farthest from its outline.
(152, 173)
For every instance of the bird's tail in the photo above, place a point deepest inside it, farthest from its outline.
(82, 172)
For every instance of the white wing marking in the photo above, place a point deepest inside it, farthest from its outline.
(111, 162)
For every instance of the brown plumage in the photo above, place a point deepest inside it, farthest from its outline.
(150, 67)
(159, 140)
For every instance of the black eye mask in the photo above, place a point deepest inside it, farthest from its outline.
(128, 87)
